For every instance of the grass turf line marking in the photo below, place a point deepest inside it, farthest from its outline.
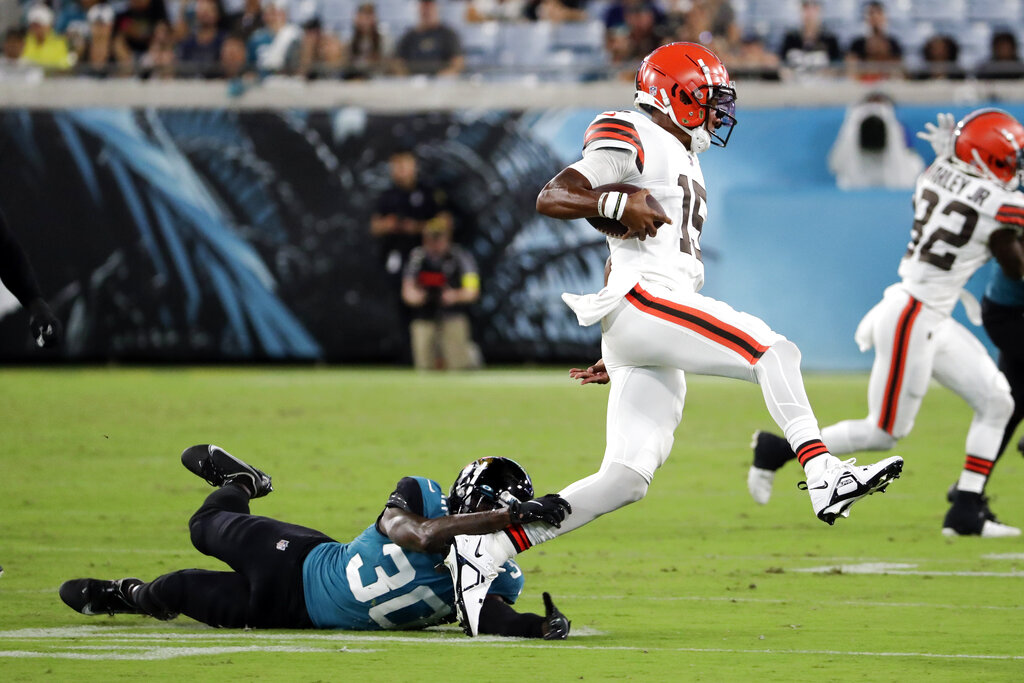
(171, 652)
(783, 601)
(162, 653)
(900, 569)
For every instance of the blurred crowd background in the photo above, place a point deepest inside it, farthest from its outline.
(248, 40)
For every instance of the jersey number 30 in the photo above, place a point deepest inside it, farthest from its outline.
(691, 199)
(387, 583)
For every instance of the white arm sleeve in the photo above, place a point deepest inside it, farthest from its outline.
(606, 165)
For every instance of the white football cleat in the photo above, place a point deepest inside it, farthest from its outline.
(759, 483)
(473, 570)
(843, 484)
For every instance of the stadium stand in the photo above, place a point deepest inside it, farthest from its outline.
(577, 50)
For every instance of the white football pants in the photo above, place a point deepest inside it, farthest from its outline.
(649, 342)
(914, 343)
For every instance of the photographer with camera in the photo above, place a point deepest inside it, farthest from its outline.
(439, 283)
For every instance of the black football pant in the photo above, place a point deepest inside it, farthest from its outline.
(265, 588)
(1005, 327)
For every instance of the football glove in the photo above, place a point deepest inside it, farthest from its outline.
(940, 136)
(556, 625)
(551, 508)
(44, 326)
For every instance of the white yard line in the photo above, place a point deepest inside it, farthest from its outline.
(151, 651)
(783, 601)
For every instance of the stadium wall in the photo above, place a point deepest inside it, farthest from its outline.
(226, 233)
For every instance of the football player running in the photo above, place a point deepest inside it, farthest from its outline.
(966, 209)
(288, 576)
(656, 326)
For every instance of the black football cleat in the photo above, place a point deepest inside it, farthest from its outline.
(969, 515)
(95, 596)
(770, 453)
(218, 467)
(556, 625)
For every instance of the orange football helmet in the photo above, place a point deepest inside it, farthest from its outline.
(990, 143)
(686, 81)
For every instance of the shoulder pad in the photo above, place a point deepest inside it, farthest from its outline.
(612, 130)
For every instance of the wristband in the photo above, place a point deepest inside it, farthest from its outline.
(611, 205)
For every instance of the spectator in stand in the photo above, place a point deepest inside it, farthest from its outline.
(14, 45)
(321, 54)
(439, 283)
(615, 14)
(101, 55)
(71, 12)
(160, 59)
(876, 54)
(711, 23)
(622, 63)
(642, 31)
(940, 55)
(367, 51)
(138, 24)
(43, 47)
(199, 52)
(234, 64)
(430, 47)
(275, 47)
(810, 48)
(556, 11)
(248, 21)
(495, 10)
(72, 22)
(1004, 62)
(754, 60)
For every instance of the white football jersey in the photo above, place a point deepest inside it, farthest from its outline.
(955, 214)
(662, 165)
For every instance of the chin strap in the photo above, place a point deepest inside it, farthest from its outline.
(700, 139)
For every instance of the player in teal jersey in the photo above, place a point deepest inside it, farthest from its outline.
(1002, 312)
(288, 576)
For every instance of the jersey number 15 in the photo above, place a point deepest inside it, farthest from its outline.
(691, 199)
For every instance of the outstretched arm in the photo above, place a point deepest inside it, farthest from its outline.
(421, 534)
(434, 535)
(498, 618)
(17, 275)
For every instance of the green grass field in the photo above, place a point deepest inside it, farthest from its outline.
(694, 583)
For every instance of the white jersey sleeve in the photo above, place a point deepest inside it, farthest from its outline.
(604, 165)
(955, 215)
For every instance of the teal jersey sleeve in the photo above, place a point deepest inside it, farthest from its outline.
(509, 583)
(1003, 290)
